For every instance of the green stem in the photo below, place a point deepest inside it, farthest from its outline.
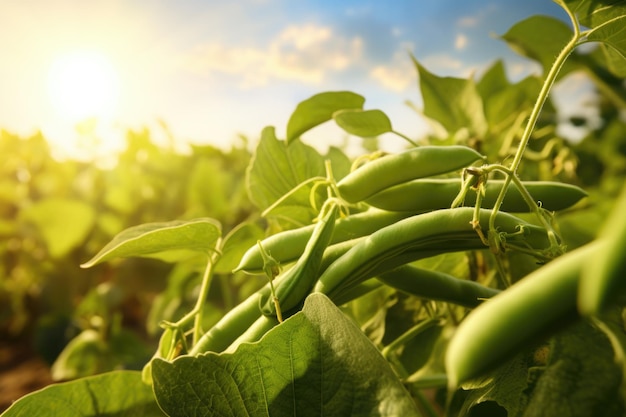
(543, 94)
(290, 193)
(532, 121)
(198, 310)
(405, 137)
(409, 335)
(507, 143)
(535, 209)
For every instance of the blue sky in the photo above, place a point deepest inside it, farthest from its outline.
(215, 69)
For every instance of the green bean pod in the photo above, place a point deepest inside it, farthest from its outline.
(298, 280)
(231, 325)
(604, 277)
(432, 194)
(533, 308)
(435, 285)
(431, 233)
(389, 170)
(288, 246)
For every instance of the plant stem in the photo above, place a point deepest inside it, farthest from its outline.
(543, 96)
(405, 137)
(532, 120)
(198, 310)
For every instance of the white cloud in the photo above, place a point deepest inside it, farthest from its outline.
(468, 21)
(519, 70)
(476, 19)
(305, 53)
(461, 41)
(397, 75)
(441, 62)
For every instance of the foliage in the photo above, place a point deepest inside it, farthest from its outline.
(394, 312)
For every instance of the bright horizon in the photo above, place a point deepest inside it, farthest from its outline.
(214, 70)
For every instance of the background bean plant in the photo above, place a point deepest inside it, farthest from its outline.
(478, 272)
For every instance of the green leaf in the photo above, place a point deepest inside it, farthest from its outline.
(595, 13)
(319, 109)
(363, 123)
(502, 107)
(493, 80)
(453, 102)
(612, 34)
(316, 363)
(114, 394)
(83, 356)
(152, 238)
(615, 61)
(276, 169)
(90, 353)
(169, 304)
(505, 386)
(540, 38)
(64, 223)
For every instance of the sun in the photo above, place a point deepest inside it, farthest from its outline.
(83, 84)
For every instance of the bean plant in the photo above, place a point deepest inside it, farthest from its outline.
(455, 277)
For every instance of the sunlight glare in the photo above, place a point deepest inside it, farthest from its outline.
(83, 84)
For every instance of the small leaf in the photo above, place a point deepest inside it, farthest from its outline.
(319, 109)
(84, 355)
(363, 123)
(152, 238)
(276, 169)
(453, 102)
(316, 363)
(113, 394)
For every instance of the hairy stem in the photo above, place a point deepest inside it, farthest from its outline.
(532, 121)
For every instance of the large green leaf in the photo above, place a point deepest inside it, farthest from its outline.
(319, 109)
(317, 363)
(540, 38)
(114, 394)
(199, 235)
(453, 102)
(363, 123)
(63, 223)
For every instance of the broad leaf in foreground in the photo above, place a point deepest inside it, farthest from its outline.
(317, 363)
(319, 109)
(200, 235)
(114, 394)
